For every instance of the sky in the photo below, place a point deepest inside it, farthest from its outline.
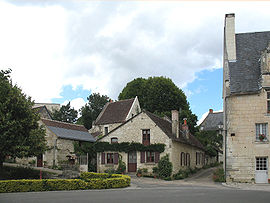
(62, 51)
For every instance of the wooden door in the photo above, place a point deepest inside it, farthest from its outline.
(132, 161)
(40, 160)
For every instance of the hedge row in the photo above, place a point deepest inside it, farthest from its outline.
(115, 181)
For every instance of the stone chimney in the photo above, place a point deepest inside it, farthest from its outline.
(175, 123)
(185, 129)
(229, 37)
(210, 110)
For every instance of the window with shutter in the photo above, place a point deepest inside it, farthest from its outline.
(142, 157)
(157, 157)
(110, 157)
(115, 160)
(150, 156)
(102, 158)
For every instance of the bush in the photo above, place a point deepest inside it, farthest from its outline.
(164, 167)
(155, 170)
(121, 167)
(181, 174)
(11, 173)
(110, 171)
(219, 175)
(88, 181)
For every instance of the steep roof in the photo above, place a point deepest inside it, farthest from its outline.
(212, 121)
(43, 111)
(166, 127)
(114, 112)
(68, 130)
(245, 73)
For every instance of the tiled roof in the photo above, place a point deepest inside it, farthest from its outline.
(212, 121)
(115, 112)
(68, 131)
(166, 127)
(245, 73)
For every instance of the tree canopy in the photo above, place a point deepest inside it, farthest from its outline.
(159, 95)
(20, 133)
(92, 109)
(65, 114)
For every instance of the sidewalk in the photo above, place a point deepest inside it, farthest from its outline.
(59, 172)
(248, 186)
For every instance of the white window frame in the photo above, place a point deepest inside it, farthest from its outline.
(259, 130)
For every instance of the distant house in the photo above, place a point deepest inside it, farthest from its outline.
(246, 99)
(146, 128)
(214, 122)
(50, 106)
(114, 114)
(60, 138)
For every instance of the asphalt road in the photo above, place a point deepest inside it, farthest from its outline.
(198, 188)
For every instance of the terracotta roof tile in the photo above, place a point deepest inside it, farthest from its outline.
(59, 124)
(115, 112)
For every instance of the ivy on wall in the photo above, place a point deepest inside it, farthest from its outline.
(118, 147)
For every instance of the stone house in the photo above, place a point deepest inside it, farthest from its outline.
(60, 138)
(114, 114)
(146, 128)
(213, 122)
(246, 100)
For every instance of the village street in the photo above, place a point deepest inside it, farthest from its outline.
(198, 188)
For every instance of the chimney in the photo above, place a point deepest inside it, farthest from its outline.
(210, 110)
(229, 37)
(175, 123)
(185, 129)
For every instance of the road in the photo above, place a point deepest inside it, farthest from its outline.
(198, 188)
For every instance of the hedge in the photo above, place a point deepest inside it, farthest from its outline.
(87, 181)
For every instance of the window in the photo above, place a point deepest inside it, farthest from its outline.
(261, 131)
(106, 130)
(182, 159)
(114, 140)
(187, 163)
(150, 156)
(146, 137)
(197, 158)
(261, 163)
(109, 158)
(268, 102)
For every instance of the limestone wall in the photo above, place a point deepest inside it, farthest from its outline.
(243, 112)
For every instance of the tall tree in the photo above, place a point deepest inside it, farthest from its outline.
(65, 114)
(20, 133)
(92, 109)
(159, 95)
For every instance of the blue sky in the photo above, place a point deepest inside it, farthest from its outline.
(62, 50)
(203, 93)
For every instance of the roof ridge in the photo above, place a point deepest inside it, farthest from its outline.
(240, 33)
(122, 100)
(63, 122)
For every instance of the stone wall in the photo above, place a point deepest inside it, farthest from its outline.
(132, 132)
(243, 112)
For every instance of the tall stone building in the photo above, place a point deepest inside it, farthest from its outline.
(246, 96)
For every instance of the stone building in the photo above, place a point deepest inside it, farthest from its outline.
(60, 138)
(246, 100)
(114, 114)
(146, 128)
(214, 122)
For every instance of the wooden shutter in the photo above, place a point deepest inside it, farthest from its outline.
(115, 158)
(102, 158)
(142, 157)
(156, 157)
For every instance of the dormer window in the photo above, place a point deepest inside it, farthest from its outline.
(114, 140)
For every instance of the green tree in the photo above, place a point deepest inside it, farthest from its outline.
(165, 167)
(65, 114)
(20, 133)
(92, 109)
(160, 95)
(211, 141)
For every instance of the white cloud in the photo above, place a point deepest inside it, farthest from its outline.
(104, 45)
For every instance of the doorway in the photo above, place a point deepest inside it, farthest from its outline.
(261, 170)
(132, 161)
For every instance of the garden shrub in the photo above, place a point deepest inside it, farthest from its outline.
(219, 175)
(121, 167)
(88, 181)
(164, 167)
